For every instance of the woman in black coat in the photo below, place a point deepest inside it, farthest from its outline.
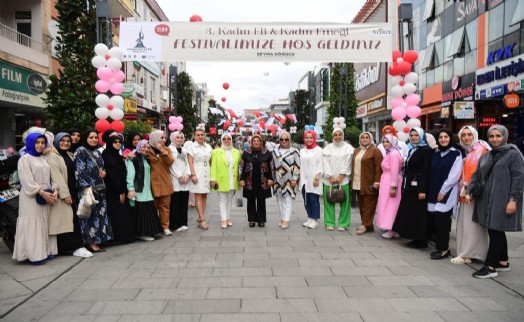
(116, 189)
(412, 221)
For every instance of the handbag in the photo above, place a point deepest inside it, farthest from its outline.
(40, 200)
(87, 202)
(335, 194)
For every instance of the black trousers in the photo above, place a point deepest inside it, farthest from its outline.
(441, 222)
(497, 249)
(256, 210)
(178, 209)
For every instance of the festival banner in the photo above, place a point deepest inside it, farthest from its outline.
(226, 41)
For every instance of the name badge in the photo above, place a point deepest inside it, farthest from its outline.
(414, 183)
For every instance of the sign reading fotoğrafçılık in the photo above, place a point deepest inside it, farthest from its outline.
(224, 41)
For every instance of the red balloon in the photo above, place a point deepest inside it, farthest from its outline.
(109, 107)
(223, 99)
(404, 68)
(195, 18)
(240, 123)
(102, 125)
(410, 56)
(282, 121)
(406, 129)
(396, 54)
(100, 141)
(212, 130)
(225, 85)
(118, 126)
(393, 70)
(401, 83)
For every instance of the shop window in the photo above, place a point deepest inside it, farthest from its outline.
(448, 71)
(429, 10)
(518, 14)
(457, 43)
(496, 28)
(471, 35)
(470, 62)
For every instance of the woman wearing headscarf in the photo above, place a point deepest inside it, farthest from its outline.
(287, 172)
(401, 146)
(199, 155)
(366, 180)
(412, 219)
(311, 167)
(132, 141)
(160, 159)
(75, 139)
(90, 173)
(336, 158)
(61, 217)
(147, 223)
(32, 225)
(63, 173)
(116, 190)
(224, 176)
(472, 239)
(180, 176)
(256, 177)
(390, 182)
(443, 190)
(497, 186)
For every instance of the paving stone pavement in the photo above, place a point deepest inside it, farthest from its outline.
(261, 274)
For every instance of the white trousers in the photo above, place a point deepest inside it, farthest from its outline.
(284, 206)
(225, 200)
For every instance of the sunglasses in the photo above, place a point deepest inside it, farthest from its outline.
(118, 142)
(284, 140)
(228, 139)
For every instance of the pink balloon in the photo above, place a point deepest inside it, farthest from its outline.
(172, 127)
(179, 119)
(119, 76)
(396, 102)
(398, 113)
(172, 119)
(102, 86)
(116, 88)
(413, 111)
(104, 73)
(179, 127)
(412, 99)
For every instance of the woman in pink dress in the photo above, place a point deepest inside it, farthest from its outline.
(390, 183)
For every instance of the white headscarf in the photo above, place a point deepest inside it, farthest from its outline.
(341, 143)
(475, 138)
(173, 136)
(226, 147)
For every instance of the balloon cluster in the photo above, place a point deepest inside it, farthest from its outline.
(175, 123)
(110, 77)
(201, 126)
(309, 127)
(293, 129)
(405, 101)
(339, 123)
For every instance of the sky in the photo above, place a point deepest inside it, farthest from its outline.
(256, 85)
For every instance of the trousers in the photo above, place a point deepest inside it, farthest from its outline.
(162, 205)
(284, 206)
(225, 200)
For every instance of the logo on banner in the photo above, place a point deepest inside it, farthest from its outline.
(512, 101)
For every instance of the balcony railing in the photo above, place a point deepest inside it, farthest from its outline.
(13, 35)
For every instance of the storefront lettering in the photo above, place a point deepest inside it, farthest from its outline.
(376, 104)
(500, 54)
(12, 75)
(488, 121)
(499, 73)
(367, 77)
(15, 96)
(458, 94)
(466, 9)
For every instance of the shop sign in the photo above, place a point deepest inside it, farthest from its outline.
(20, 85)
(464, 110)
(367, 77)
(488, 121)
(466, 10)
(492, 80)
(512, 100)
(500, 54)
(362, 110)
(128, 91)
(459, 89)
(375, 105)
(130, 106)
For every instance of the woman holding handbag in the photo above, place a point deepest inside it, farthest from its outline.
(90, 173)
(337, 170)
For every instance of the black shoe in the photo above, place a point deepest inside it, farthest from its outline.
(502, 268)
(438, 254)
(485, 272)
(261, 224)
(417, 244)
(251, 224)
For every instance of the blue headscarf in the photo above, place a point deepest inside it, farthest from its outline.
(422, 141)
(30, 143)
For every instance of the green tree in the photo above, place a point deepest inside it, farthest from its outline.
(303, 108)
(184, 104)
(71, 94)
(341, 97)
(136, 126)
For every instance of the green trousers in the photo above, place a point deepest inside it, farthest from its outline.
(345, 209)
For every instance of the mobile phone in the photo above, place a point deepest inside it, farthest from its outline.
(372, 188)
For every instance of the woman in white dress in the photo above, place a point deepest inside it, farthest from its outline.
(199, 155)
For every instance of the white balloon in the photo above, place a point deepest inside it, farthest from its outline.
(411, 78)
(413, 122)
(102, 100)
(409, 88)
(101, 49)
(403, 136)
(395, 80)
(101, 113)
(399, 125)
(116, 114)
(115, 52)
(117, 101)
(114, 63)
(397, 91)
(98, 61)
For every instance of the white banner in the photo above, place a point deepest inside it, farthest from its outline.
(224, 41)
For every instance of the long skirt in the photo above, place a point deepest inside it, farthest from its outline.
(121, 219)
(412, 221)
(472, 238)
(147, 221)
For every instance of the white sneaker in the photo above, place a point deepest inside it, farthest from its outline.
(184, 228)
(313, 224)
(82, 252)
(179, 229)
(167, 232)
(146, 238)
(390, 234)
(306, 224)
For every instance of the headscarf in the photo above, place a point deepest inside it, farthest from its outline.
(68, 160)
(476, 140)
(370, 140)
(256, 135)
(451, 144)
(56, 143)
(422, 141)
(342, 142)
(83, 139)
(173, 136)
(74, 146)
(432, 142)
(50, 137)
(226, 147)
(154, 137)
(140, 145)
(314, 144)
(505, 134)
(280, 137)
(390, 127)
(393, 141)
(30, 143)
(106, 135)
(110, 149)
(130, 138)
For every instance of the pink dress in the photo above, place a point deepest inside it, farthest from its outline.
(388, 206)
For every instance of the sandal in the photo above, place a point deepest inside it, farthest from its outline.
(460, 260)
(361, 230)
(223, 224)
(285, 225)
(229, 223)
(202, 224)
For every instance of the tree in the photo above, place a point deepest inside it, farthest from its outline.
(71, 94)
(303, 108)
(184, 104)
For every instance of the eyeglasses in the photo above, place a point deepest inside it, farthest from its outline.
(117, 142)
(65, 141)
(284, 140)
(226, 138)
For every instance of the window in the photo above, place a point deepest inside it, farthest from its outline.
(428, 57)
(471, 35)
(448, 71)
(496, 27)
(447, 45)
(429, 11)
(439, 74)
(470, 62)
(518, 14)
(152, 90)
(513, 39)
(509, 12)
(23, 26)
(439, 53)
(448, 21)
(458, 66)
(457, 42)
(430, 78)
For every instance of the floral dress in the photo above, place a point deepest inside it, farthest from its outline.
(97, 228)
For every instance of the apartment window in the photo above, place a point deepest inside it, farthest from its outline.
(23, 26)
